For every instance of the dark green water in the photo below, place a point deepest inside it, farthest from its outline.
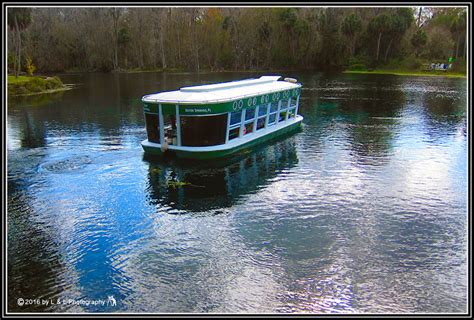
(363, 211)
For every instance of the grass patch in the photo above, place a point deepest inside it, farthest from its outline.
(22, 85)
(409, 73)
(13, 79)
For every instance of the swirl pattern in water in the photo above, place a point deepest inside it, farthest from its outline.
(363, 211)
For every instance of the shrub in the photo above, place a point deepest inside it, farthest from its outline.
(415, 64)
(34, 85)
(358, 67)
(439, 44)
(30, 67)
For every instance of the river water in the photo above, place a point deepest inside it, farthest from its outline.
(363, 211)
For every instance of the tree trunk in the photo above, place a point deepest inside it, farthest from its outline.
(179, 45)
(19, 52)
(116, 57)
(464, 49)
(195, 44)
(163, 58)
(18, 48)
(378, 47)
(353, 45)
(388, 49)
(141, 62)
(457, 46)
(419, 17)
(115, 17)
(15, 49)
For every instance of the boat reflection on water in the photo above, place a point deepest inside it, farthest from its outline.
(198, 186)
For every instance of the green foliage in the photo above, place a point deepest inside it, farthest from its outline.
(20, 17)
(380, 23)
(458, 23)
(405, 63)
(459, 66)
(404, 19)
(11, 61)
(123, 36)
(288, 17)
(30, 67)
(32, 85)
(359, 62)
(412, 63)
(419, 38)
(440, 45)
(418, 41)
(214, 38)
(351, 25)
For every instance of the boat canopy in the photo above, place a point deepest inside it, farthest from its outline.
(221, 92)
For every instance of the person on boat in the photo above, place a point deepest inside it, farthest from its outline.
(173, 122)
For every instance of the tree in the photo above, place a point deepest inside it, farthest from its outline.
(289, 18)
(115, 13)
(379, 25)
(439, 43)
(397, 25)
(331, 53)
(18, 20)
(418, 40)
(351, 27)
(123, 41)
(458, 28)
(195, 19)
(104, 39)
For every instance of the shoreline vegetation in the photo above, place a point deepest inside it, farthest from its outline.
(390, 40)
(404, 72)
(33, 85)
(398, 72)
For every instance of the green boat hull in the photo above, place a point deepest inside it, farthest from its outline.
(246, 147)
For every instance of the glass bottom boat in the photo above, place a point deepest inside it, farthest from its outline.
(216, 120)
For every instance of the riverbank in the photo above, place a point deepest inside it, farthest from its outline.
(179, 70)
(447, 74)
(25, 86)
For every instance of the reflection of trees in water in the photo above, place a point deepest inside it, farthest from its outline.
(371, 135)
(26, 114)
(217, 184)
(33, 261)
(33, 132)
(443, 114)
(366, 107)
(35, 100)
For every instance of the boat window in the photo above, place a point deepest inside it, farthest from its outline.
(271, 119)
(203, 130)
(292, 113)
(262, 116)
(169, 124)
(293, 102)
(284, 105)
(249, 113)
(235, 117)
(152, 127)
(234, 133)
(262, 110)
(282, 116)
(274, 106)
(248, 128)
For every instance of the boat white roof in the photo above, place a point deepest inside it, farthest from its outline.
(222, 92)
